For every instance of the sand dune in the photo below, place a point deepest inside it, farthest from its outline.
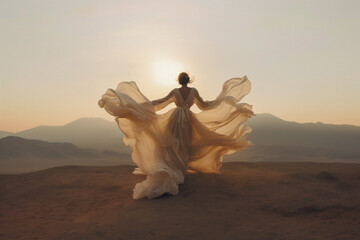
(246, 201)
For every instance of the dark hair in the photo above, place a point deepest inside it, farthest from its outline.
(183, 78)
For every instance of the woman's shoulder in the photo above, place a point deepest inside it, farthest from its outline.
(195, 90)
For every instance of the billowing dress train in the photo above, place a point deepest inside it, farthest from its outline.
(167, 146)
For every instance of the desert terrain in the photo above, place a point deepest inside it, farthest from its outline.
(246, 201)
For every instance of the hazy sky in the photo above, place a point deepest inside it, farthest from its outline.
(58, 57)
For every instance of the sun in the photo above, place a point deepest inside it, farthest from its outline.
(166, 72)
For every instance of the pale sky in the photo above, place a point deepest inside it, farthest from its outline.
(58, 57)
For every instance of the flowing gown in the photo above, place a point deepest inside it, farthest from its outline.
(167, 146)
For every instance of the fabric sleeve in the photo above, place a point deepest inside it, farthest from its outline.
(203, 105)
(163, 102)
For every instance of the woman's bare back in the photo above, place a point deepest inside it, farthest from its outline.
(184, 91)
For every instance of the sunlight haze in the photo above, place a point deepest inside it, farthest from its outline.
(58, 57)
(166, 72)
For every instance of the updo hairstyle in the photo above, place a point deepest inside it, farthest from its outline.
(183, 78)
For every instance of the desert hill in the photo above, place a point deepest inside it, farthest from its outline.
(94, 133)
(4, 134)
(268, 130)
(278, 140)
(23, 155)
(271, 130)
(16, 147)
(292, 201)
(274, 140)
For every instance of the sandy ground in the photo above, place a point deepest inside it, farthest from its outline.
(246, 201)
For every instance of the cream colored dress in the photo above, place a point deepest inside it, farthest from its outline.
(167, 146)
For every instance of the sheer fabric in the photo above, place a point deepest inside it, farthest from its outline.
(166, 146)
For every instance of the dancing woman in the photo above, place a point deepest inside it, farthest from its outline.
(167, 146)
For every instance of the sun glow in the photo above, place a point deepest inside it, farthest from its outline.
(166, 72)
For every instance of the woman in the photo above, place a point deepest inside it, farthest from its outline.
(166, 146)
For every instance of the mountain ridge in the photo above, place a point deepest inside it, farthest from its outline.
(19, 155)
(272, 135)
(94, 133)
(98, 119)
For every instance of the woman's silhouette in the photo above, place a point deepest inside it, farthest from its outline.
(166, 146)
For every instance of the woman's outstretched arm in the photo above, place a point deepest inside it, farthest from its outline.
(163, 102)
(203, 105)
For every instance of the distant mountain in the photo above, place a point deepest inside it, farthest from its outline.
(277, 140)
(16, 147)
(274, 139)
(293, 153)
(19, 154)
(4, 134)
(94, 133)
(269, 130)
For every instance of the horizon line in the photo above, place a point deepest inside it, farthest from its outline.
(318, 122)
